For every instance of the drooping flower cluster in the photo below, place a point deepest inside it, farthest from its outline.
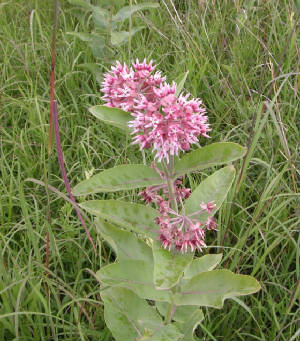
(162, 120)
(178, 230)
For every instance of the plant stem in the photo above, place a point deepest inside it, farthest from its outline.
(169, 171)
(64, 173)
(169, 315)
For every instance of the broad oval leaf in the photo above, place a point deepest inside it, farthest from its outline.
(113, 116)
(126, 12)
(168, 266)
(125, 244)
(213, 188)
(124, 177)
(208, 156)
(202, 264)
(135, 217)
(211, 288)
(135, 275)
(131, 318)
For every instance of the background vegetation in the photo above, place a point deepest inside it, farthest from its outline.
(239, 54)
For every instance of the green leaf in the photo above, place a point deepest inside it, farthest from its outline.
(119, 178)
(133, 217)
(126, 315)
(98, 46)
(121, 37)
(135, 275)
(202, 264)
(211, 288)
(187, 318)
(113, 116)
(213, 188)
(131, 318)
(100, 17)
(208, 156)
(96, 42)
(190, 325)
(164, 333)
(180, 82)
(125, 12)
(168, 266)
(125, 244)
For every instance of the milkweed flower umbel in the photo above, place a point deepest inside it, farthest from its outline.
(161, 120)
(179, 231)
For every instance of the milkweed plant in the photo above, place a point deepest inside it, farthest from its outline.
(156, 287)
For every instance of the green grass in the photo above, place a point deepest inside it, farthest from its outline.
(239, 54)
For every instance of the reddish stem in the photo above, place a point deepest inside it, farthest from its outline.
(52, 77)
(63, 171)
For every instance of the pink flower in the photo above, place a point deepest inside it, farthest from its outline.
(175, 127)
(183, 232)
(124, 87)
(178, 230)
(209, 207)
(211, 224)
(167, 123)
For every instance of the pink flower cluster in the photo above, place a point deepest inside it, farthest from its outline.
(178, 230)
(161, 119)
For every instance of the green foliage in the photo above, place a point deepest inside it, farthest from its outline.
(214, 154)
(135, 217)
(189, 326)
(113, 116)
(168, 266)
(186, 318)
(135, 275)
(202, 264)
(211, 288)
(125, 244)
(200, 286)
(214, 188)
(180, 80)
(127, 11)
(129, 317)
(122, 37)
(108, 25)
(119, 178)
